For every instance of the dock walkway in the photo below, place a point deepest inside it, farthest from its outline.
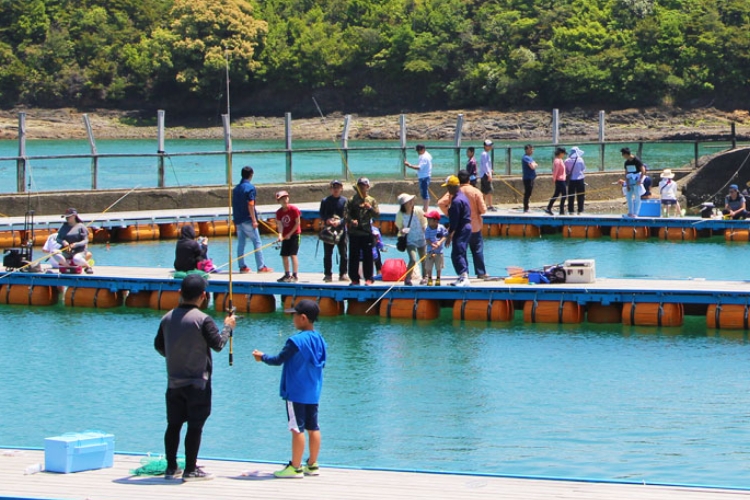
(254, 480)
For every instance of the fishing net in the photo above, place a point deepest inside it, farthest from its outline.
(155, 465)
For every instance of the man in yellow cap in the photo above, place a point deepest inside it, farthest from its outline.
(459, 229)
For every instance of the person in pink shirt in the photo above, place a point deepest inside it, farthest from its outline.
(558, 176)
(478, 208)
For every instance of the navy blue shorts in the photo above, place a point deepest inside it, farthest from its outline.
(424, 188)
(302, 417)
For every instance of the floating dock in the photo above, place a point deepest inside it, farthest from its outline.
(237, 479)
(646, 302)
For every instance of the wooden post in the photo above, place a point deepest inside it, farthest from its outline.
(160, 147)
(601, 141)
(94, 154)
(288, 144)
(228, 146)
(345, 147)
(402, 138)
(457, 141)
(21, 161)
(555, 127)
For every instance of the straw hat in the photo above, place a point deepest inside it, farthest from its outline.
(667, 174)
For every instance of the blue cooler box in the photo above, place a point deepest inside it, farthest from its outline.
(650, 208)
(80, 451)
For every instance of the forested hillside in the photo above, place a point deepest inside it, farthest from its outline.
(373, 55)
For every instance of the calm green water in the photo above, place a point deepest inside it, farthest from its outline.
(589, 401)
(45, 175)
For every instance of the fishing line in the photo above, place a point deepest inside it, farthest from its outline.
(396, 282)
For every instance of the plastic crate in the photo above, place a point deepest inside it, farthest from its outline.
(75, 452)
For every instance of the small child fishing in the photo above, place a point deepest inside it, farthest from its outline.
(434, 234)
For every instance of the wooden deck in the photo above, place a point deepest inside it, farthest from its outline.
(253, 480)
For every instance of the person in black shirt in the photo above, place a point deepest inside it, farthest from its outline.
(332, 211)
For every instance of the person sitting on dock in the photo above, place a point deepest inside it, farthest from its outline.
(424, 174)
(459, 230)
(668, 193)
(734, 204)
(185, 338)
(246, 221)
(332, 210)
(288, 226)
(361, 209)
(189, 252)
(558, 176)
(411, 223)
(73, 238)
(435, 236)
(633, 182)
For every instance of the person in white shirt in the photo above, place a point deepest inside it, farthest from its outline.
(668, 193)
(424, 174)
(485, 175)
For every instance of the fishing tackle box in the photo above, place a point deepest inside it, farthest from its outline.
(75, 452)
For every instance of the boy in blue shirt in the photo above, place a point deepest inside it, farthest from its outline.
(303, 357)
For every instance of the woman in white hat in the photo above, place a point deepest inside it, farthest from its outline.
(668, 193)
(411, 222)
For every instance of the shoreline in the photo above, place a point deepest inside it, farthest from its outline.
(649, 124)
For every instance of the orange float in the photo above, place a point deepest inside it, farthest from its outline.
(40, 236)
(483, 310)
(492, 230)
(410, 308)
(99, 298)
(728, 316)
(173, 230)
(101, 235)
(246, 302)
(328, 306)
(521, 230)
(10, 239)
(215, 228)
(598, 313)
(552, 311)
(678, 233)
(33, 295)
(629, 233)
(737, 235)
(357, 308)
(140, 299)
(267, 227)
(138, 232)
(585, 232)
(167, 299)
(652, 314)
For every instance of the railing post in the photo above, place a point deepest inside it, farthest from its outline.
(288, 144)
(696, 151)
(345, 147)
(457, 141)
(402, 138)
(734, 135)
(601, 141)
(508, 160)
(228, 146)
(640, 150)
(555, 127)
(94, 154)
(160, 146)
(21, 161)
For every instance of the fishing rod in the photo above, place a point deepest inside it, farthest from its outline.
(228, 147)
(245, 255)
(112, 205)
(397, 282)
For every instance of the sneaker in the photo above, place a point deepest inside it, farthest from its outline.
(423, 281)
(311, 469)
(293, 279)
(343, 277)
(481, 276)
(197, 475)
(406, 283)
(492, 209)
(461, 281)
(548, 211)
(289, 472)
(354, 283)
(171, 474)
(284, 279)
(369, 282)
(328, 278)
(437, 282)
(429, 282)
(244, 270)
(89, 270)
(265, 269)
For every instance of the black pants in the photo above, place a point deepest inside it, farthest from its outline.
(560, 191)
(328, 257)
(186, 404)
(576, 191)
(360, 250)
(528, 188)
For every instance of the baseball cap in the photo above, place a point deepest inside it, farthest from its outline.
(336, 182)
(364, 181)
(734, 187)
(307, 307)
(433, 214)
(488, 142)
(69, 212)
(192, 286)
(281, 194)
(452, 180)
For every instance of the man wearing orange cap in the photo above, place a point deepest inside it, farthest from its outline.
(459, 230)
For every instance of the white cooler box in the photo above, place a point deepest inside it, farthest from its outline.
(580, 271)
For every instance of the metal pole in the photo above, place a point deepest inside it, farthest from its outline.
(402, 138)
(21, 162)
(508, 160)
(94, 154)
(555, 126)
(601, 140)
(160, 147)
(228, 146)
(288, 144)
(696, 152)
(734, 135)
(457, 142)
(345, 147)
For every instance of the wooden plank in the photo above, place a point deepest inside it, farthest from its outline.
(333, 483)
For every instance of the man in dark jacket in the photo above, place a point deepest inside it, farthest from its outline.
(332, 210)
(185, 338)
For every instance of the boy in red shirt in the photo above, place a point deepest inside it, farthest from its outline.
(289, 229)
